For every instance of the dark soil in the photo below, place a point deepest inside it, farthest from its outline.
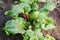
(55, 14)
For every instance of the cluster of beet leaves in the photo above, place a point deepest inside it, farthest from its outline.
(29, 20)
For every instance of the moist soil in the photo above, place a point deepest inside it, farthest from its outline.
(55, 14)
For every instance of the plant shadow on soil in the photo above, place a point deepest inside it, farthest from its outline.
(55, 14)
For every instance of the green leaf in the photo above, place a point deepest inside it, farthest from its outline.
(37, 25)
(49, 5)
(30, 33)
(41, 17)
(7, 33)
(49, 20)
(35, 6)
(16, 9)
(35, 35)
(27, 8)
(39, 34)
(33, 15)
(26, 37)
(48, 37)
(15, 26)
(50, 26)
(45, 12)
(7, 12)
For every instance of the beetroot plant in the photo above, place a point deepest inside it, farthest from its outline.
(28, 19)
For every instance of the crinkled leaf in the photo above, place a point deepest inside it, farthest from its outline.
(34, 6)
(27, 8)
(39, 34)
(15, 26)
(30, 33)
(35, 35)
(49, 5)
(37, 25)
(33, 15)
(41, 17)
(16, 9)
